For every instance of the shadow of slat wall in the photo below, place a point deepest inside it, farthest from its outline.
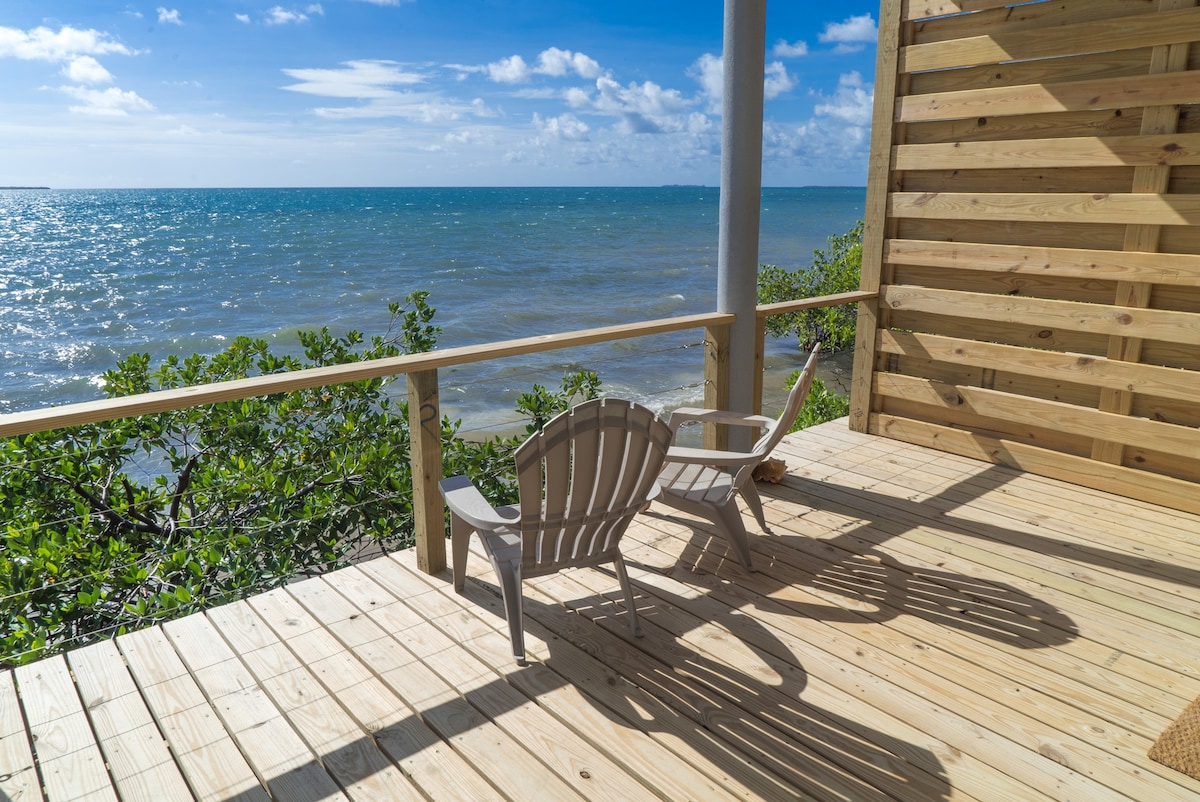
(1033, 232)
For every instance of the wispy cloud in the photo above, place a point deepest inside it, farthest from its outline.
(111, 102)
(356, 79)
(278, 15)
(43, 44)
(169, 17)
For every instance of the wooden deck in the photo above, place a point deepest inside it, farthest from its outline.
(922, 627)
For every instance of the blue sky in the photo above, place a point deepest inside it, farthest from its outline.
(226, 93)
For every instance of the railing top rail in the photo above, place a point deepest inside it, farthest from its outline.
(49, 418)
(816, 302)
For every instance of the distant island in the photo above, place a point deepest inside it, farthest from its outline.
(24, 187)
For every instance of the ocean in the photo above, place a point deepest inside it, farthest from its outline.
(90, 276)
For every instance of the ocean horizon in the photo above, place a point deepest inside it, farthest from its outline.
(88, 277)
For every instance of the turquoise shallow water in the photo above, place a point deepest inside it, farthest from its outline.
(87, 277)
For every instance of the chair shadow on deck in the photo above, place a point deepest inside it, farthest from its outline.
(856, 580)
(757, 709)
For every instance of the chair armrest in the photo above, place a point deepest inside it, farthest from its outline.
(706, 456)
(465, 501)
(690, 414)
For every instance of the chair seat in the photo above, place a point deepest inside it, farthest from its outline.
(699, 484)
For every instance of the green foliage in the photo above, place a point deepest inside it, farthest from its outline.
(833, 271)
(110, 527)
(822, 405)
(540, 405)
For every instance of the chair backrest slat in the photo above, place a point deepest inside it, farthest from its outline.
(583, 478)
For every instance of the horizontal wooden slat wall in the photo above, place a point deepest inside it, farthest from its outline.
(1033, 234)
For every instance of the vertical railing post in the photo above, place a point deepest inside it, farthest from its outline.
(425, 454)
(716, 382)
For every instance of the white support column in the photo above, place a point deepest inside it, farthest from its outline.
(741, 194)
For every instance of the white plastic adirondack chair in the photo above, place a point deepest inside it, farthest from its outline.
(706, 482)
(581, 480)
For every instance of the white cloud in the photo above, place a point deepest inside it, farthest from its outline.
(851, 103)
(777, 81)
(557, 63)
(784, 49)
(242, 18)
(358, 79)
(43, 44)
(565, 127)
(171, 16)
(708, 72)
(511, 70)
(111, 102)
(86, 70)
(852, 34)
(423, 107)
(278, 15)
(642, 109)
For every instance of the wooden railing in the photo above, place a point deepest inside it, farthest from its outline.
(424, 408)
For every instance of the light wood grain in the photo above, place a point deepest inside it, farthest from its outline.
(69, 760)
(19, 779)
(1058, 207)
(1181, 269)
(138, 759)
(1074, 152)
(1083, 37)
(1105, 93)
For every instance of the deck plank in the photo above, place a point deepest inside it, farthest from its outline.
(208, 757)
(345, 749)
(141, 765)
(280, 758)
(69, 759)
(506, 761)
(18, 775)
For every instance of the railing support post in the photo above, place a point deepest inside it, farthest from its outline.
(716, 383)
(425, 454)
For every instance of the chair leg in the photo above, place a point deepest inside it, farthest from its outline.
(509, 574)
(635, 625)
(750, 494)
(460, 539)
(729, 520)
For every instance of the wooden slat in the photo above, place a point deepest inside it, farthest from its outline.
(1093, 371)
(214, 767)
(1154, 324)
(1084, 37)
(346, 749)
(141, 765)
(1177, 269)
(1164, 437)
(1156, 489)
(19, 779)
(1150, 150)
(285, 765)
(574, 687)
(920, 9)
(1105, 93)
(438, 770)
(69, 760)
(503, 760)
(1057, 207)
